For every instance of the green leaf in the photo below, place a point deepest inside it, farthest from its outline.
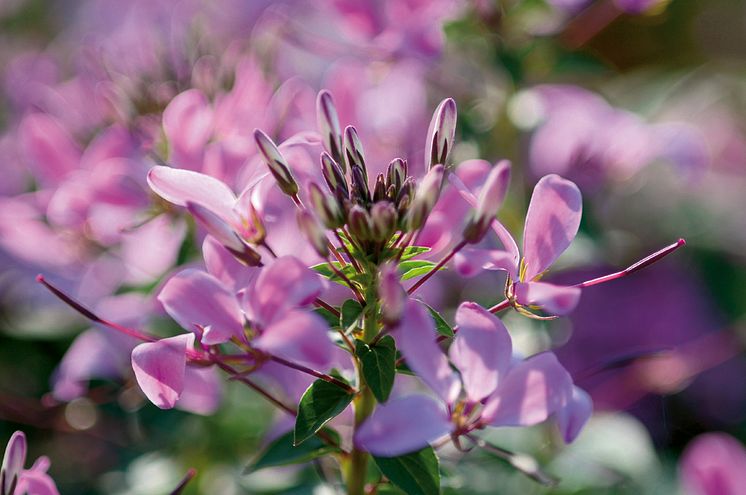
(282, 452)
(379, 363)
(320, 403)
(325, 270)
(414, 268)
(412, 251)
(349, 313)
(416, 473)
(328, 316)
(441, 325)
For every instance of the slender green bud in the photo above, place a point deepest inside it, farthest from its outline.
(326, 207)
(276, 163)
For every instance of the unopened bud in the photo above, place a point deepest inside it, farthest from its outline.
(425, 198)
(359, 222)
(353, 151)
(314, 232)
(327, 207)
(276, 163)
(379, 190)
(383, 220)
(441, 134)
(253, 229)
(396, 173)
(334, 177)
(360, 191)
(392, 295)
(328, 123)
(488, 203)
(224, 234)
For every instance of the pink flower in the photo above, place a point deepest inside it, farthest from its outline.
(15, 480)
(492, 387)
(714, 464)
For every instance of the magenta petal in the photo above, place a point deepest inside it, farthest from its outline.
(493, 192)
(415, 337)
(552, 221)
(532, 391)
(221, 264)
(574, 415)
(193, 297)
(714, 464)
(469, 262)
(202, 390)
(554, 299)
(481, 350)
(14, 458)
(182, 186)
(298, 336)
(188, 124)
(48, 147)
(36, 481)
(403, 425)
(285, 284)
(216, 226)
(159, 368)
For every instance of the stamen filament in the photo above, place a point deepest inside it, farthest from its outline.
(313, 372)
(458, 247)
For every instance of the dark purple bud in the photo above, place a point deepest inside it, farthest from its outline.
(407, 189)
(441, 134)
(379, 190)
(359, 223)
(383, 219)
(353, 151)
(314, 232)
(327, 207)
(276, 163)
(396, 173)
(334, 177)
(328, 123)
(360, 191)
(425, 198)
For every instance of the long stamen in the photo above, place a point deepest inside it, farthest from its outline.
(91, 315)
(522, 462)
(187, 478)
(312, 372)
(647, 261)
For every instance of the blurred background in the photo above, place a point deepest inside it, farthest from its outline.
(641, 102)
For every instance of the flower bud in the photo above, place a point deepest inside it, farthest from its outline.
(327, 208)
(396, 173)
(353, 151)
(252, 229)
(360, 191)
(224, 233)
(441, 134)
(383, 220)
(425, 198)
(276, 163)
(392, 295)
(334, 177)
(379, 190)
(359, 223)
(328, 123)
(488, 203)
(314, 232)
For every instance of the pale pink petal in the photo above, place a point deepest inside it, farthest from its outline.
(36, 482)
(188, 124)
(221, 264)
(574, 415)
(285, 284)
(493, 192)
(714, 464)
(182, 186)
(298, 336)
(159, 368)
(470, 262)
(152, 249)
(193, 297)
(554, 299)
(552, 221)
(202, 392)
(532, 391)
(48, 147)
(415, 337)
(403, 425)
(14, 458)
(481, 351)
(216, 226)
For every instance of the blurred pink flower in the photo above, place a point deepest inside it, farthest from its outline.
(714, 464)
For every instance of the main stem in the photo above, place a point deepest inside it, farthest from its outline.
(365, 402)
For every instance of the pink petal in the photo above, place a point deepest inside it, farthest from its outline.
(159, 368)
(532, 391)
(574, 415)
(188, 124)
(221, 264)
(493, 192)
(714, 464)
(481, 351)
(14, 459)
(152, 249)
(403, 425)
(552, 221)
(554, 299)
(216, 226)
(36, 482)
(181, 186)
(298, 336)
(193, 297)
(48, 147)
(285, 284)
(415, 337)
(470, 262)
(202, 390)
